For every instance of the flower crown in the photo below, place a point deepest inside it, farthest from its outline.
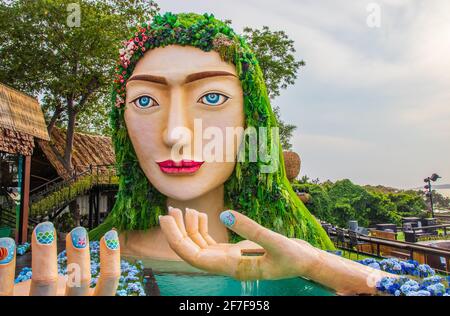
(207, 33)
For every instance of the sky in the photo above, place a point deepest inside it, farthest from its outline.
(373, 103)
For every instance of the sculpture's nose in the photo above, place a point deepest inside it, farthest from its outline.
(178, 131)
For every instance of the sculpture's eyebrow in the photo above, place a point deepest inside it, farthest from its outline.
(207, 74)
(149, 78)
(190, 78)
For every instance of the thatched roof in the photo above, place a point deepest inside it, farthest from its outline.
(88, 150)
(21, 119)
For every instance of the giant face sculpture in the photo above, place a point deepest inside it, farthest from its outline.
(171, 90)
(176, 70)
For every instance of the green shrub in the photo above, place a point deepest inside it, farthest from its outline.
(62, 196)
(339, 202)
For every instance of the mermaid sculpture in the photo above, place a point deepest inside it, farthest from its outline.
(180, 80)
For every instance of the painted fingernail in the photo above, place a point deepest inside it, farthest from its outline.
(79, 237)
(112, 240)
(45, 233)
(227, 218)
(7, 250)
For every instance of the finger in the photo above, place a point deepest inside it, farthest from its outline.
(43, 261)
(192, 228)
(78, 263)
(212, 260)
(249, 229)
(7, 266)
(109, 265)
(203, 228)
(182, 245)
(177, 214)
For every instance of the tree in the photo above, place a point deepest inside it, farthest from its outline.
(46, 53)
(96, 118)
(286, 130)
(275, 53)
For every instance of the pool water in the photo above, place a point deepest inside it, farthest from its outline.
(171, 284)
(177, 278)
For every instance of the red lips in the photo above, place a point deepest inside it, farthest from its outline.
(180, 167)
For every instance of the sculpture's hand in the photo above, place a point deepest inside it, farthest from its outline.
(283, 257)
(45, 279)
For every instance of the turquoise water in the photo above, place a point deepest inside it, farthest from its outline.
(171, 284)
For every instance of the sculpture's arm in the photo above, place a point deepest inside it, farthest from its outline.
(283, 257)
(345, 276)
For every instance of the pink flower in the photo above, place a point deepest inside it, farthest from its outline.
(119, 101)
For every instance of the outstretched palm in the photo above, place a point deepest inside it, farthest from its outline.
(275, 253)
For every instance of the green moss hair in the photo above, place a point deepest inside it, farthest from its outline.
(267, 198)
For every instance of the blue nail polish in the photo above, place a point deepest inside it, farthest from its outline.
(112, 240)
(45, 233)
(227, 218)
(79, 237)
(7, 250)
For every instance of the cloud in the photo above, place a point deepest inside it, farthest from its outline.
(372, 104)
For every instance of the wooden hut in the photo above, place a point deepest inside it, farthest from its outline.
(92, 181)
(21, 121)
(88, 150)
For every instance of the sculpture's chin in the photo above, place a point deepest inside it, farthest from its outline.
(181, 194)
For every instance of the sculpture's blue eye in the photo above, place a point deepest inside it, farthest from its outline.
(145, 102)
(213, 99)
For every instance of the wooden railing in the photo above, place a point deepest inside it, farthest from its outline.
(59, 191)
(381, 247)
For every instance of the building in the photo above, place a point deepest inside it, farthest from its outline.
(91, 186)
(22, 123)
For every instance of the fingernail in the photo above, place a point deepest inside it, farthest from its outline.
(112, 240)
(227, 218)
(7, 250)
(45, 233)
(79, 237)
(170, 208)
